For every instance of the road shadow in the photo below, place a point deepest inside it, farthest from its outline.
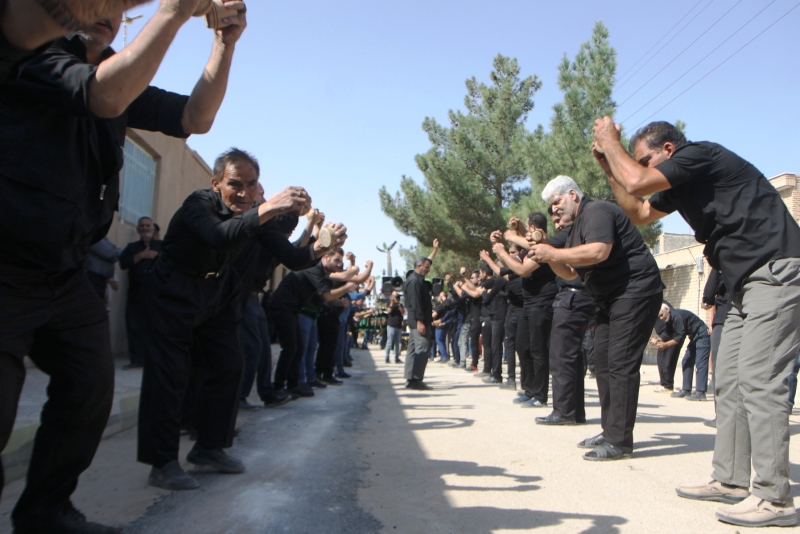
(672, 444)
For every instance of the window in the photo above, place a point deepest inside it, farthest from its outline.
(138, 183)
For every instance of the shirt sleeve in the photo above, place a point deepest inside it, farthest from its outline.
(679, 324)
(221, 236)
(686, 164)
(156, 110)
(598, 225)
(294, 258)
(663, 201)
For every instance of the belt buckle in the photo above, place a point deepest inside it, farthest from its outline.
(211, 275)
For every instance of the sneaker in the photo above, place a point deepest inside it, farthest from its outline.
(713, 491)
(343, 375)
(533, 403)
(681, 393)
(318, 384)
(69, 519)
(662, 389)
(522, 399)
(471, 368)
(302, 390)
(279, 397)
(696, 396)
(171, 477)
(482, 374)
(331, 381)
(509, 384)
(216, 458)
(417, 384)
(756, 512)
(246, 406)
(492, 380)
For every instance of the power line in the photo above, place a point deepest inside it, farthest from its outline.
(718, 66)
(688, 47)
(668, 42)
(662, 37)
(706, 57)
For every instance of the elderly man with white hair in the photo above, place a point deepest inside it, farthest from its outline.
(608, 253)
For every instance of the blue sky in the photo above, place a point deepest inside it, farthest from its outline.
(332, 95)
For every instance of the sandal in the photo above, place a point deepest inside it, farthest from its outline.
(591, 443)
(607, 452)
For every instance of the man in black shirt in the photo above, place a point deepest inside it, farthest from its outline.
(668, 354)
(194, 301)
(471, 329)
(63, 130)
(715, 296)
(394, 326)
(138, 258)
(617, 269)
(420, 312)
(751, 237)
(686, 324)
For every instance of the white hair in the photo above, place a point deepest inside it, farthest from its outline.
(560, 185)
(664, 308)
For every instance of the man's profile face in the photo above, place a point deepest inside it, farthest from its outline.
(424, 269)
(103, 32)
(145, 228)
(474, 278)
(664, 315)
(649, 157)
(565, 206)
(238, 187)
(334, 263)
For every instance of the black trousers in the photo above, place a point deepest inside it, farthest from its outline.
(571, 313)
(667, 360)
(474, 340)
(328, 335)
(486, 345)
(136, 326)
(533, 348)
(190, 319)
(58, 321)
(99, 284)
(623, 329)
(513, 319)
(498, 334)
(287, 371)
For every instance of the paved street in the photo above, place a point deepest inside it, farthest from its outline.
(372, 456)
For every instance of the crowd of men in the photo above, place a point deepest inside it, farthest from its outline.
(202, 327)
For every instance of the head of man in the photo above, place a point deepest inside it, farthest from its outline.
(395, 296)
(655, 143)
(514, 249)
(101, 34)
(422, 267)
(333, 260)
(442, 296)
(537, 221)
(485, 271)
(145, 229)
(564, 197)
(555, 217)
(663, 313)
(260, 198)
(475, 277)
(235, 178)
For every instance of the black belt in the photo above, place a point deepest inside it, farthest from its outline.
(573, 289)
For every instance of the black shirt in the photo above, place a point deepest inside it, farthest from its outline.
(732, 208)
(495, 298)
(630, 271)
(204, 235)
(301, 287)
(686, 324)
(137, 270)
(513, 288)
(395, 318)
(716, 294)
(559, 240)
(539, 288)
(418, 300)
(59, 167)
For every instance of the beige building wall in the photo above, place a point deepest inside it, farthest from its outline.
(179, 171)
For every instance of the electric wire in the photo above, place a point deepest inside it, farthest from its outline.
(718, 66)
(673, 60)
(665, 44)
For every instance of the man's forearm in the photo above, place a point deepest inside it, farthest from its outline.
(208, 94)
(587, 254)
(121, 78)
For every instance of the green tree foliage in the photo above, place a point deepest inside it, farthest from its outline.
(472, 170)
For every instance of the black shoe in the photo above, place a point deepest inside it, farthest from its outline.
(522, 399)
(696, 396)
(554, 419)
(418, 384)
(711, 422)
(492, 380)
(71, 520)
(279, 397)
(681, 393)
(387, 360)
(318, 384)
(348, 363)
(331, 381)
(171, 477)
(343, 375)
(246, 406)
(216, 458)
(302, 390)
(398, 360)
(509, 384)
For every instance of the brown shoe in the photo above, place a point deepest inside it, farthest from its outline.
(713, 491)
(756, 512)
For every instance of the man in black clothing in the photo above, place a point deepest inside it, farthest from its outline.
(295, 291)
(420, 312)
(533, 335)
(668, 354)
(617, 269)
(471, 329)
(63, 132)
(194, 298)
(686, 324)
(754, 241)
(394, 326)
(494, 299)
(715, 296)
(138, 258)
(573, 307)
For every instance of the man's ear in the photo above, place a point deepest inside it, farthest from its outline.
(669, 148)
(215, 185)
